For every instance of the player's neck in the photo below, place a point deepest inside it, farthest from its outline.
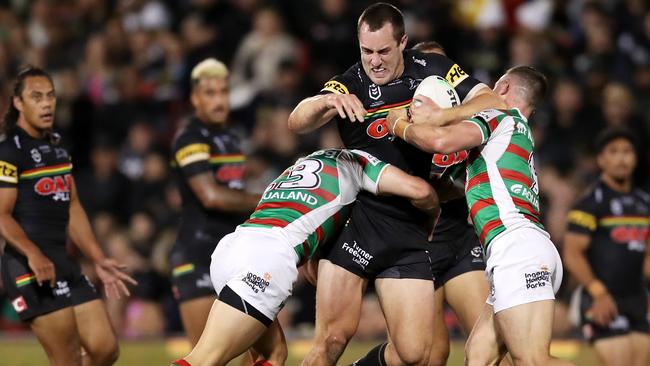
(623, 186)
(31, 130)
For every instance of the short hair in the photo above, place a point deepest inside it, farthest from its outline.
(208, 68)
(533, 82)
(611, 134)
(376, 15)
(429, 47)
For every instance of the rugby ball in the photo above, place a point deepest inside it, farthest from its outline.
(437, 89)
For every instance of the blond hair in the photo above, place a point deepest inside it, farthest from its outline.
(208, 68)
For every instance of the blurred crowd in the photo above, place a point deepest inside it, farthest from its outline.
(121, 70)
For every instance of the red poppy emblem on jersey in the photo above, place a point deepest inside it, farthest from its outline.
(53, 185)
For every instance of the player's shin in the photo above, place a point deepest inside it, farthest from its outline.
(374, 358)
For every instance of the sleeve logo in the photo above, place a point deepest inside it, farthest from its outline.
(583, 219)
(335, 87)
(192, 153)
(455, 75)
(8, 172)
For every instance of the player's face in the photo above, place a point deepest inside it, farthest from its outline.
(37, 103)
(618, 159)
(381, 54)
(210, 98)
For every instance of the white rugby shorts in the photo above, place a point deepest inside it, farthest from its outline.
(258, 265)
(523, 266)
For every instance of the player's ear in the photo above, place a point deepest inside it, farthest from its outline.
(18, 103)
(403, 42)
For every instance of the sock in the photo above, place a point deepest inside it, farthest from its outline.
(262, 363)
(374, 358)
(180, 362)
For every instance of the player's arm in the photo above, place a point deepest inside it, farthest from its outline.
(576, 242)
(15, 236)
(109, 271)
(336, 98)
(427, 111)
(216, 197)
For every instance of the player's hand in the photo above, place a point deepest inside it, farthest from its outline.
(42, 267)
(113, 277)
(425, 110)
(393, 116)
(347, 105)
(603, 310)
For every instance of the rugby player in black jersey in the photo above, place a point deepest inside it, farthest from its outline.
(209, 167)
(39, 210)
(606, 251)
(385, 238)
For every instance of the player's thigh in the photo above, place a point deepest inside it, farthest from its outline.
(57, 333)
(640, 348)
(526, 329)
(339, 296)
(466, 294)
(402, 301)
(194, 314)
(440, 349)
(484, 345)
(228, 333)
(616, 350)
(95, 330)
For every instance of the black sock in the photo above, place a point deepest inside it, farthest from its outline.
(374, 358)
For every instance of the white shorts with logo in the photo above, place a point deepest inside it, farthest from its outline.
(523, 266)
(258, 265)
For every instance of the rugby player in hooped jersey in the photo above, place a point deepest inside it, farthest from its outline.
(254, 268)
(523, 266)
(38, 203)
(387, 228)
(606, 250)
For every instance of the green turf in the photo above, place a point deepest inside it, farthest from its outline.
(27, 352)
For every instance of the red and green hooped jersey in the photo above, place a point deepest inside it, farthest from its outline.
(501, 187)
(307, 200)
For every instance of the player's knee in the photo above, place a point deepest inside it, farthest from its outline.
(335, 342)
(531, 359)
(106, 354)
(477, 355)
(414, 353)
(439, 354)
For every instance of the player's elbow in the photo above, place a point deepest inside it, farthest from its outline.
(292, 122)
(440, 145)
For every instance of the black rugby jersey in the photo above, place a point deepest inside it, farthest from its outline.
(373, 136)
(42, 173)
(453, 221)
(200, 148)
(619, 227)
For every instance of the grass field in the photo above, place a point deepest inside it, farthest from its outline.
(27, 352)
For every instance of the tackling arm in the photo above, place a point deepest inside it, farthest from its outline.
(443, 140)
(216, 197)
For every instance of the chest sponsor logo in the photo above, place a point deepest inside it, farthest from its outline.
(374, 91)
(359, 255)
(8, 172)
(378, 129)
(522, 190)
(634, 237)
(447, 160)
(230, 173)
(61, 289)
(36, 155)
(58, 187)
(257, 283)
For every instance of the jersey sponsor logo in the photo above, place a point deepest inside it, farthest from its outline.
(60, 153)
(334, 86)
(374, 91)
(378, 129)
(19, 304)
(61, 289)
(45, 149)
(583, 219)
(8, 172)
(447, 160)
(359, 255)
(192, 153)
(204, 281)
(522, 190)
(420, 61)
(629, 234)
(36, 155)
(455, 75)
(257, 283)
(230, 173)
(58, 187)
(291, 195)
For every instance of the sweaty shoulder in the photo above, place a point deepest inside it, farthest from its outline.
(347, 83)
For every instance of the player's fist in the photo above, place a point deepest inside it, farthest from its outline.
(42, 267)
(393, 116)
(347, 105)
(425, 110)
(603, 310)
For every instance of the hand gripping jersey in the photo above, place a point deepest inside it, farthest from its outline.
(307, 200)
(200, 148)
(41, 172)
(619, 226)
(373, 136)
(501, 188)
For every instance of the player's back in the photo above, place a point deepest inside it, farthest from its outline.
(307, 200)
(501, 187)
